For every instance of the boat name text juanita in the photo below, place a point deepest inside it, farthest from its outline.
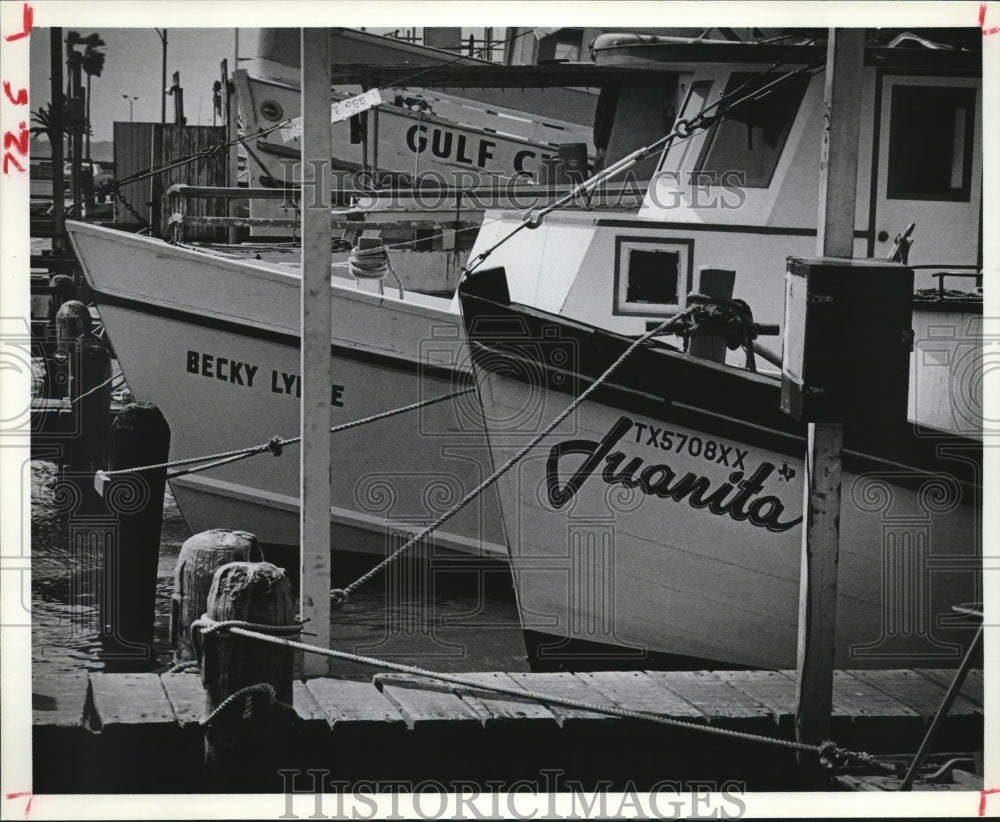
(661, 481)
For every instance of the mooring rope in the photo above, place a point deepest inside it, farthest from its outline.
(373, 264)
(276, 444)
(265, 689)
(109, 380)
(339, 596)
(730, 319)
(829, 751)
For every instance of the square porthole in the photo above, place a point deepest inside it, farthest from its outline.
(652, 278)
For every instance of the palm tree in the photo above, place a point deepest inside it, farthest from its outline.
(46, 117)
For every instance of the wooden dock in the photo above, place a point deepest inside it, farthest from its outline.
(140, 732)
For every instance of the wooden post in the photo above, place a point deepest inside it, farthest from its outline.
(90, 392)
(232, 128)
(139, 436)
(63, 290)
(72, 320)
(79, 124)
(316, 334)
(56, 139)
(200, 557)
(712, 282)
(246, 751)
(821, 503)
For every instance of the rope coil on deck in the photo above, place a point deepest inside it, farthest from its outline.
(373, 264)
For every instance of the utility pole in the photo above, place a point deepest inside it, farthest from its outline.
(163, 76)
(56, 111)
(130, 100)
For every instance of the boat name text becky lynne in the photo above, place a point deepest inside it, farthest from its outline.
(661, 481)
(235, 372)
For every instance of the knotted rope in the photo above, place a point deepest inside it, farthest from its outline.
(730, 319)
(373, 264)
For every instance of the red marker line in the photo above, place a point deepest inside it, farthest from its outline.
(27, 18)
(982, 799)
(31, 796)
(982, 22)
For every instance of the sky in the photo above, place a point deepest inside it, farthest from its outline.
(133, 67)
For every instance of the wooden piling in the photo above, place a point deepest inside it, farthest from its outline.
(63, 290)
(316, 315)
(200, 557)
(821, 503)
(718, 283)
(90, 393)
(72, 320)
(139, 436)
(248, 741)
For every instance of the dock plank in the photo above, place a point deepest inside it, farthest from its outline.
(305, 704)
(921, 694)
(492, 707)
(57, 700)
(972, 688)
(773, 689)
(186, 695)
(637, 691)
(854, 697)
(353, 705)
(119, 700)
(424, 703)
(570, 686)
(713, 696)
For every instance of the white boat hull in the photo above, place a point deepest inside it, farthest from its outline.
(664, 513)
(214, 344)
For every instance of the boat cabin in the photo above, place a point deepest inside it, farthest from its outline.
(743, 193)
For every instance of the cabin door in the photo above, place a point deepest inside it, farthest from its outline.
(929, 170)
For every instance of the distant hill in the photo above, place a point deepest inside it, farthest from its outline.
(102, 150)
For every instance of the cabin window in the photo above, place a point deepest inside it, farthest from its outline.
(565, 44)
(930, 143)
(749, 138)
(651, 277)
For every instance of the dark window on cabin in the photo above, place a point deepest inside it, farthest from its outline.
(565, 44)
(652, 277)
(749, 137)
(424, 239)
(930, 143)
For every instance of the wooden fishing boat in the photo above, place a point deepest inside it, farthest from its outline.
(214, 343)
(664, 514)
(167, 307)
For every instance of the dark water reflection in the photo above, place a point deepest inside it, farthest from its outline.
(448, 615)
